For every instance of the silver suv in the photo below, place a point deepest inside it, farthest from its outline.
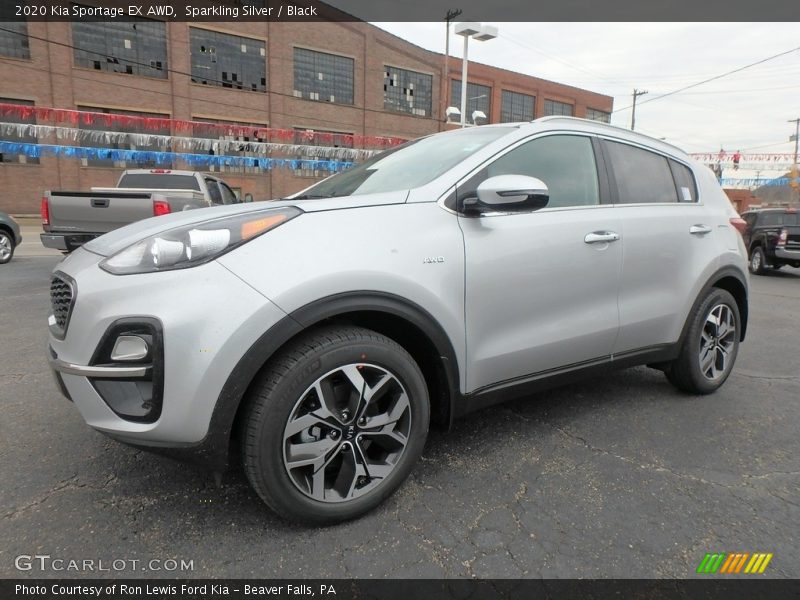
(324, 332)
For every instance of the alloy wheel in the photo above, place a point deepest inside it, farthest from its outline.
(346, 433)
(717, 342)
(5, 247)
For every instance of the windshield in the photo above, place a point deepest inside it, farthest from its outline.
(408, 166)
(159, 181)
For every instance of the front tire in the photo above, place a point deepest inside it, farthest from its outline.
(758, 261)
(334, 425)
(709, 349)
(6, 247)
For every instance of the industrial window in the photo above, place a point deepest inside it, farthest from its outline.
(244, 146)
(323, 77)
(135, 46)
(130, 142)
(641, 176)
(228, 60)
(13, 37)
(479, 97)
(318, 137)
(407, 91)
(516, 107)
(17, 138)
(598, 115)
(551, 107)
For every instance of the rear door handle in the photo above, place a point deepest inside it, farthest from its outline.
(100, 202)
(699, 229)
(597, 237)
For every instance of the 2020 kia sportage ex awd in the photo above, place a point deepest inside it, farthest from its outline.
(326, 331)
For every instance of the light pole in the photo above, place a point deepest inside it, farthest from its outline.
(451, 14)
(481, 33)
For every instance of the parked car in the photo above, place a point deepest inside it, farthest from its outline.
(10, 237)
(448, 274)
(70, 219)
(772, 238)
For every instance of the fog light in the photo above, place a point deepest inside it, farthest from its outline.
(128, 348)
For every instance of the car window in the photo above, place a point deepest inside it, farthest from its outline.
(213, 191)
(684, 182)
(159, 181)
(778, 219)
(228, 197)
(641, 176)
(565, 163)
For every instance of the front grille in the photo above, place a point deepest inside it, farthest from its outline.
(61, 299)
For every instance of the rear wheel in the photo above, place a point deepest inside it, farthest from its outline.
(6, 247)
(335, 425)
(710, 347)
(758, 261)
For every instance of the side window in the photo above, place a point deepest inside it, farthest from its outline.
(749, 218)
(228, 197)
(771, 219)
(565, 163)
(213, 191)
(684, 181)
(641, 176)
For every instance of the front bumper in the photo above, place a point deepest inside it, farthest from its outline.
(784, 254)
(209, 319)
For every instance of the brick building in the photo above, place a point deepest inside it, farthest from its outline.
(340, 78)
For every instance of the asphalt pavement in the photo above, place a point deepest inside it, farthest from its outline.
(618, 476)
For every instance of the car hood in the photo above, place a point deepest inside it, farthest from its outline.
(121, 238)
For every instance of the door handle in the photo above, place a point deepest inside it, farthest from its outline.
(100, 202)
(597, 237)
(699, 229)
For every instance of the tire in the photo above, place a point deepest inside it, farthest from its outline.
(709, 351)
(312, 448)
(758, 261)
(6, 247)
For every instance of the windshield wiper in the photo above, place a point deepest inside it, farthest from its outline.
(310, 197)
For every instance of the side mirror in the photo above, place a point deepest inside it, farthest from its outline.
(248, 197)
(513, 193)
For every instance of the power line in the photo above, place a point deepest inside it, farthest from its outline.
(672, 93)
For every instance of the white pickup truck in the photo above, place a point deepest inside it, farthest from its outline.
(70, 219)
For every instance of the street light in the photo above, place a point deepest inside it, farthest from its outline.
(482, 33)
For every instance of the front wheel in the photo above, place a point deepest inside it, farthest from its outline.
(334, 425)
(710, 347)
(6, 248)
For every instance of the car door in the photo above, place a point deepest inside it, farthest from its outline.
(669, 239)
(541, 287)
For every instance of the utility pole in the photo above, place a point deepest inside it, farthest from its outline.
(452, 13)
(793, 183)
(636, 94)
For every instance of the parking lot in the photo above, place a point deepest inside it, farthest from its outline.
(619, 476)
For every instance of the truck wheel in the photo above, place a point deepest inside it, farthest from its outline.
(334, 425)
(6, 248)
(710, 347)
(757, 261)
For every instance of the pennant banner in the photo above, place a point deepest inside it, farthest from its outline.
(161, 125)
(167, 158)
(753, 182)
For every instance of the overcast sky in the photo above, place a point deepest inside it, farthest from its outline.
(747, 110)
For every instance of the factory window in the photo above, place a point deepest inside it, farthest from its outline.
(241, 140)
(228, 60)
(407, 91)
(598, 115)
(478, 98)
(13, 37)
(551, 107)
(318, 137)
(18, 137)
(143, 141)
(135, 46)
(516, 107)
(323, 77)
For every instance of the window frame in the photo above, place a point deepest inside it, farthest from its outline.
(399, 110)
(506, 93)
(335, 56)
(612, 178)
(451, 202)
(221, 83)
(559, 102)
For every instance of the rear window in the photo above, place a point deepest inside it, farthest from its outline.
(159, 181)
(779, 219)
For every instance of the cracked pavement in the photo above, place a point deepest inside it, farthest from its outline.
(618, 476)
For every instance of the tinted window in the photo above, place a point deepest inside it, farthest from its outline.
(159, 181)
(641, 176)
(778, 219)
(228, 197)
(565, 163)
(684, 181)
(213, 191)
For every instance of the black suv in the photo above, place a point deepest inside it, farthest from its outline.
(772, 238)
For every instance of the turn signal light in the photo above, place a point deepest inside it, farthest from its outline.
(44, 211)
(739, 224)
(161, 208)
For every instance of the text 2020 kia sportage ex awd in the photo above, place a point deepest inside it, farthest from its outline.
(326, 331)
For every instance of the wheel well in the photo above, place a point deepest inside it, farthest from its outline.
(756, 244)
(6, 229)
(737, 290)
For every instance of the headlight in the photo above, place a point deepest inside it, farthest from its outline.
(195, 244)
